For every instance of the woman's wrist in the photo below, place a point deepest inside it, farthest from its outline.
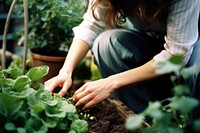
(65, 72)
(115, 83)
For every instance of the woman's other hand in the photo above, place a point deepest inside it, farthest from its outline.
(62, 81)
(92, 93)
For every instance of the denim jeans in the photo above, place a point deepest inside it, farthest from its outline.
(119, 50)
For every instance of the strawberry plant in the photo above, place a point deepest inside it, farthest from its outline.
(25, 109)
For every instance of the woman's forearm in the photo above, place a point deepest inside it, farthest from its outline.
(77, 52)
(134, 76)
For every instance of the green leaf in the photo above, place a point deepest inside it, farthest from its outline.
(80, 126)
(54, 112)
(35, 126)
(176, 59)
(37, 108)
(10, 126)
(1, 75)
(4, 73)
(10, 106)
(18, 94)
(179, 103)
(69, 108)
(52, 102)
(187, 72)
(181, 90)
(50, 122)
(21, 130)
(196, 126)
(45, 16)
(134, 122)
(173, 64)
(36, 73)
(7, 82)
(41, 6)
(16, 72)
(21, 83)
(153, 106)
(43, 95)
(72, 131)
(168, 67)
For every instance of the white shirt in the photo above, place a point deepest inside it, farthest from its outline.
(181, 28)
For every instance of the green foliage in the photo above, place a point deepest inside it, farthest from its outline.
(95, 73)
(174, 114)
(24, 109)
(79, 126)
(82, 71)
(51, 22)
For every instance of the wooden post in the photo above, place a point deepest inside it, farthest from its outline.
(25, 34)
(5, 34)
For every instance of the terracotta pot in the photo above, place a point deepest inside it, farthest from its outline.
(54, 62)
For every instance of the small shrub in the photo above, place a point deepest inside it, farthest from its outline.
(174, 114)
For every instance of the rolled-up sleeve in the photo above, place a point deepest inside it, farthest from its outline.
(90, 27)
(182, 29)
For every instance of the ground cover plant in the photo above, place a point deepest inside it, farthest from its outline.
(174, 114)
(23, 108)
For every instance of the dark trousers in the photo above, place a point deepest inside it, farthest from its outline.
(119, 50)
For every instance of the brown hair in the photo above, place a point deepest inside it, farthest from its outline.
(148, 11)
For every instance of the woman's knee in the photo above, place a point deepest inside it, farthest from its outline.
(109, 44)
(109, 38)
(109, 52)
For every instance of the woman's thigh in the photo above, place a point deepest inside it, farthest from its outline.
(120, 50)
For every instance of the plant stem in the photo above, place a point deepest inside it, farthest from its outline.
(5, 34)
(25, 34)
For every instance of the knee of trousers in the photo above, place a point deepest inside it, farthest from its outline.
(109, 52)
(110, 44)
(109, 39)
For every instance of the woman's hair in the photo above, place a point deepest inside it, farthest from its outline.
(148, 11)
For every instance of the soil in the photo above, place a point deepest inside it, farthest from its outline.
(108, 118)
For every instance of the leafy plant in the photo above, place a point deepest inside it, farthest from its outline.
(174, 114)
(51, 23)
(24, 109)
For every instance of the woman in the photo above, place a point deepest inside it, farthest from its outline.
(125, 52)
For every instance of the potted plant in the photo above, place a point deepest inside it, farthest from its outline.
(50, 30)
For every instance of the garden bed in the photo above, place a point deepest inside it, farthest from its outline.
(110, 117)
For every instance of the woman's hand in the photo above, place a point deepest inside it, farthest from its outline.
(62, 81)
(92, 93)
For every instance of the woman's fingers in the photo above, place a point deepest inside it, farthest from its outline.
(92, 93)
(65, 88)
(86, 97)
(88, 105)
(58, 84)
(50, 85)
(86, 101)
(80, 93)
